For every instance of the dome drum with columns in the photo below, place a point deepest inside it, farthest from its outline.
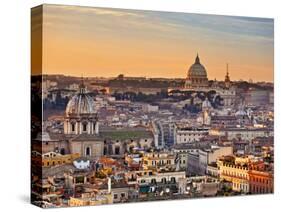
(197, 75)
(80, 114)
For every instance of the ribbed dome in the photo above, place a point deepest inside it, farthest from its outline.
(80, 104)
(197, 69)
(196, 76)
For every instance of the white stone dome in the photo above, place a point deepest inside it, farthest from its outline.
(80, 104)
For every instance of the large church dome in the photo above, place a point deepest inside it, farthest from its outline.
(197, 69)
(197, 75)
(80, 104)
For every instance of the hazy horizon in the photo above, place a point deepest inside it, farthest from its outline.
(101, 42)
(168, 78)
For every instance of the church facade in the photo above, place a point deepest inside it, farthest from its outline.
(81, 122)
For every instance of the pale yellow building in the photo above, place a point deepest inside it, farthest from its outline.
(159, 160)
(234, 171)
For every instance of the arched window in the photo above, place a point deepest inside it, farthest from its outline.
(88, 151)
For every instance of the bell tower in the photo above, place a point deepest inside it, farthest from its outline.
(227, 81)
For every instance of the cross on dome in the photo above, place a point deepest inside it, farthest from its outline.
(197, 59)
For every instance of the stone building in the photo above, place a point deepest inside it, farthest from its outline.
(185, 134)
(261, 179)
(242, 133)
(209, 155)
(81, 122)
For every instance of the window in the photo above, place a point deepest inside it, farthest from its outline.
(88, 151)
(123, 195)
(115, 196)
(84, 127)
(117, 150)
(153, 181)
(72, 127)
(173, 179)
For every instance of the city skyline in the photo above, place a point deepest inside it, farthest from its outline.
(107, 42)
(147, 77)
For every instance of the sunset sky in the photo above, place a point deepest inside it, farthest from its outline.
(107, 42)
